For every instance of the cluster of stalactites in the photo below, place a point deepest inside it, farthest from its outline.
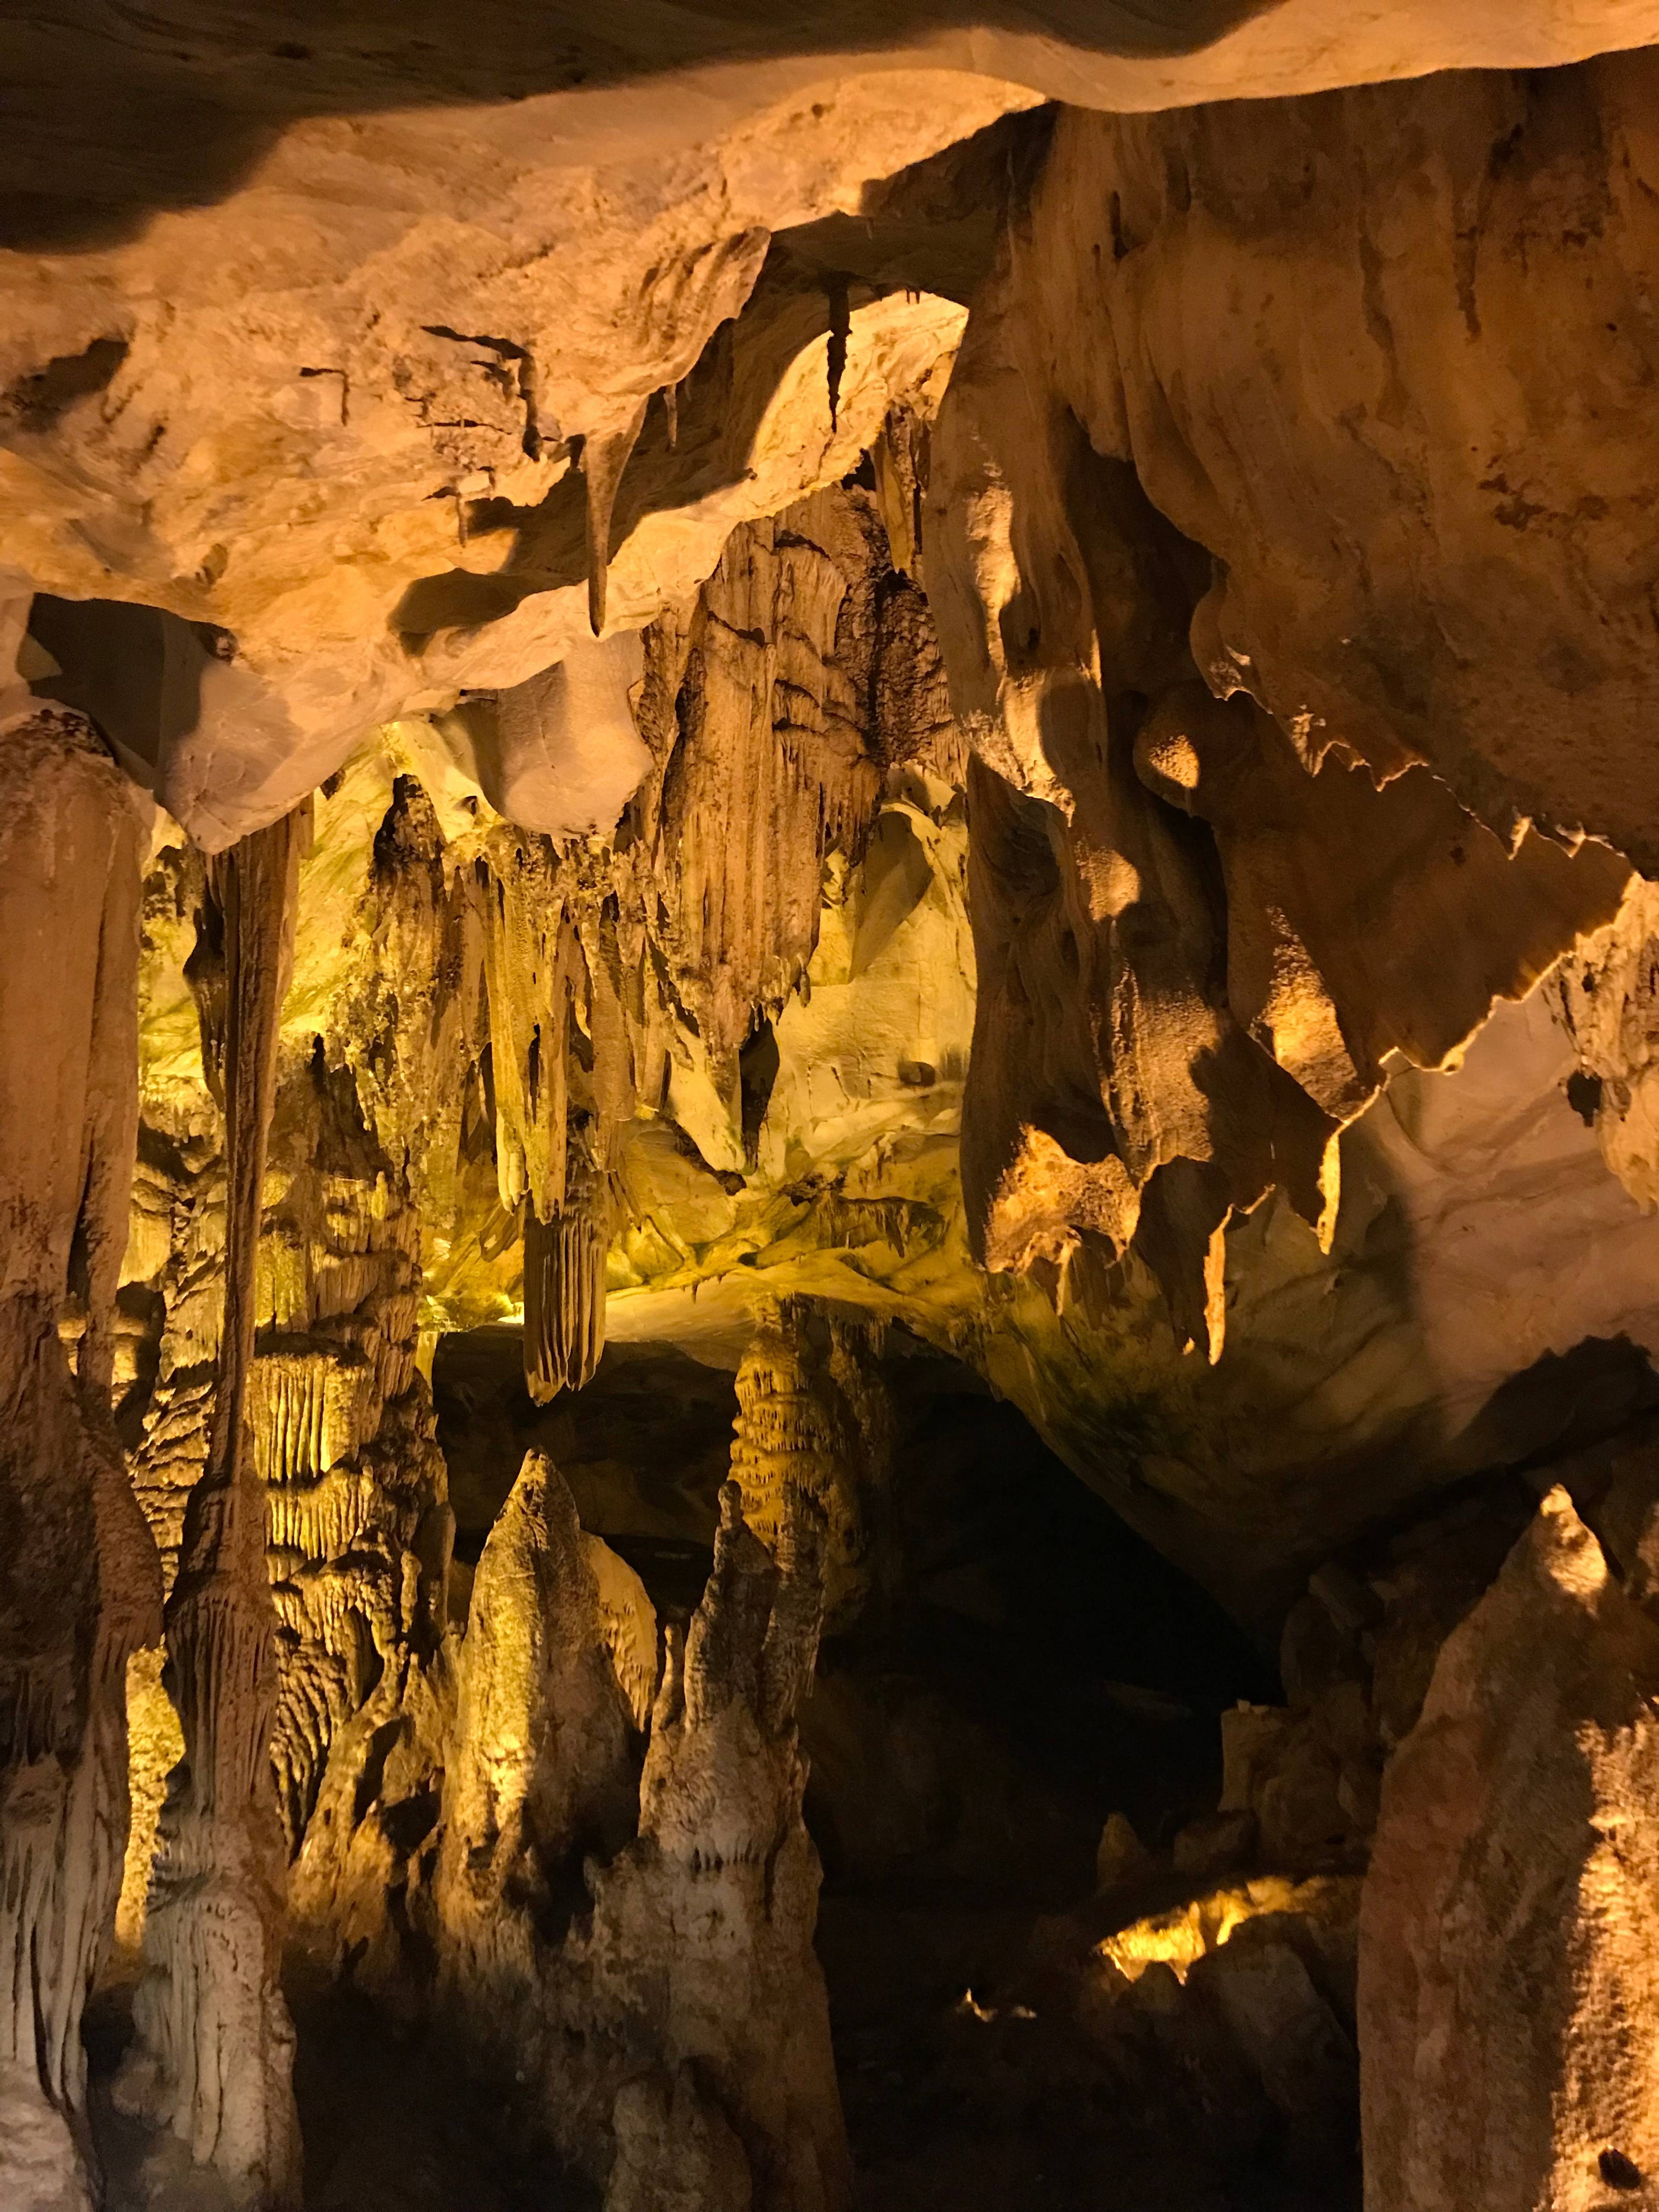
(340, 1420)
(564, 1281)
(344, 1444)
(609, 970)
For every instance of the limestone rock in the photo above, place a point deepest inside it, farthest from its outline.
(541, 1769)
(1506, 1996)
(80, 1585)
(213, 2052)
(630, 1626)
(813, 1418)
(1121, 1858)
(712, 1908)
(1179, 1006)
(1607, 1000)
(675, 2153)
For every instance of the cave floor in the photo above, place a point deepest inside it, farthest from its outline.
(958, 2092)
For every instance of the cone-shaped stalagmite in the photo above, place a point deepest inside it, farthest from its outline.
(80, 1585)
(719, 1893)
(1508, 1939)
(215, 2047)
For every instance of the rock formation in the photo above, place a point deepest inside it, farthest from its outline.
(1507, 1954)
(1167, 793)
(215, 2047)
(828, 702)
(813, 1421)
(79, 1590)
(632, 1951)
(540, 1770)
(708, 1914)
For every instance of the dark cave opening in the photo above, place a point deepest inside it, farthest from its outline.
(1033, 1654)
(1034, 1668)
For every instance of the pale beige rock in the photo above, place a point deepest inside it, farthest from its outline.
(313, 399)
(1197, 961)
(541, 1767)
(155, 1747)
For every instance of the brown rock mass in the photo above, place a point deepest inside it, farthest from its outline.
(79, 1587)
(1507, 1942)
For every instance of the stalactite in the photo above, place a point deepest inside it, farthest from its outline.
(605, 454)
(775, 761)
(341, 1421)
(79, 1581)
(214, 2047)
(564, 1281)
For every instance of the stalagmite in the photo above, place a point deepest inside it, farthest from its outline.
(214, 2049)
(79, 1582)
(698, 1960)
(1509, 1974)
(541, 1767)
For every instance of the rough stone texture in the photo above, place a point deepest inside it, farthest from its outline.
(814, 1419)
(1609, 1002)
(79, 1587)
(1507, 1950)
(1197, 959)
(552, 468)
(711, 1910)
(213, 2046)
(460, 554)
(362, 394)
(541, 1770)
(341, 1419)
(629, 1955)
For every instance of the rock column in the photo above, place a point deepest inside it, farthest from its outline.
(80, 1585)
(215, 2046)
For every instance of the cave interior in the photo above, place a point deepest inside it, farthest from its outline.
(829, 1315)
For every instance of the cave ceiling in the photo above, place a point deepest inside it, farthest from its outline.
(912, 696)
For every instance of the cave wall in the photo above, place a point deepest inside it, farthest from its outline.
(81, 1587)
